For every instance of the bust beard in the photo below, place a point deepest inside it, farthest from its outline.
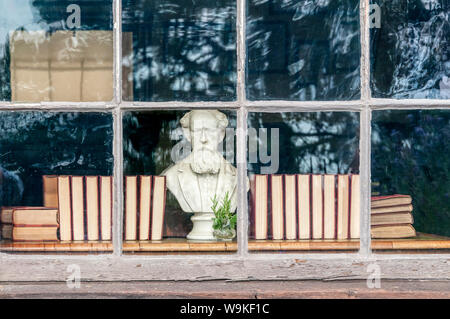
(205, 161)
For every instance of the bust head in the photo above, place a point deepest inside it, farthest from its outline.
(204, 173)
(205, 129)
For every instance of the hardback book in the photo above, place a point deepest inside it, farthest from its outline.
(6, 214)
(131, 207)
(329, 209)
(145, 207)
(391, 200)
(391, 209)
(65, 208)
(317, 207)
(92, 207)
(355, 206)
(304, 207)
(260, 209)
(106, 206)
(7, 231)
(50, 190)
(343, 205)
(35, 216)
(392, 218)
(35, 233)
(158, 207)
(290, 205)
(276, 186)
(392, 231)
(77, 183)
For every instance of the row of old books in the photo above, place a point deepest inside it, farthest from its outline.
(75, 208)
(145, 201)
(80, 208)
(85, 206)
(29, 223)
(305, 206)
(391, 217)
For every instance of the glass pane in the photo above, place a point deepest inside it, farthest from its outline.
(48, 164)
(304, 173)
(303, 50)
(410, 158)
(179, 50)
(56, 50)
(195, 153)
(409, 49)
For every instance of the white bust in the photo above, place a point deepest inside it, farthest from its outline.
(204, 173)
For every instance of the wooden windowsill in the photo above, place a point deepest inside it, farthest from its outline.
(56, 246)
(302, 245)
(179, 245)
(421, 242)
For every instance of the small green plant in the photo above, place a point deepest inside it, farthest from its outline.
(224, 217)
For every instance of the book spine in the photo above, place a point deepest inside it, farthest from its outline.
(311, 206)
(355, 208)
(252, 227)
(336, 192)
(329, 207)
(350, 194)
(130, 208)
(78, 207)
(317, 207)
(92, 207)
(164, 205)
(283, 205)
(290, 211)
(158, 216)
(277, 212)
(50, 190)
(138, 208)
(261, 206)
(65, 208)
(304, 206)
(145, 208)
(99, 207)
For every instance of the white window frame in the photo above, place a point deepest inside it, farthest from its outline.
(242, 264)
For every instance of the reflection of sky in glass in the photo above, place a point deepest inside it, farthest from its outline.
(16, 14)
(36, 36)
(319, 142)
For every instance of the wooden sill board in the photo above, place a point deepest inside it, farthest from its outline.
(57, 246)
(301, 245)
(421, 242)
(178, 245)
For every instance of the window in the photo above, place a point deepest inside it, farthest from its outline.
(308, 116)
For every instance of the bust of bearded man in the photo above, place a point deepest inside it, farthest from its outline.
(204, 173)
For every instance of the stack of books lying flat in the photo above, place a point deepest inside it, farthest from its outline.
(391, 217)
(29, 223)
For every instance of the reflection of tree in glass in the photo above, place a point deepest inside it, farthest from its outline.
(39, 143)
(303, 50)
(410, 155)
(317, 142)
(410, 52)
(182, 49)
